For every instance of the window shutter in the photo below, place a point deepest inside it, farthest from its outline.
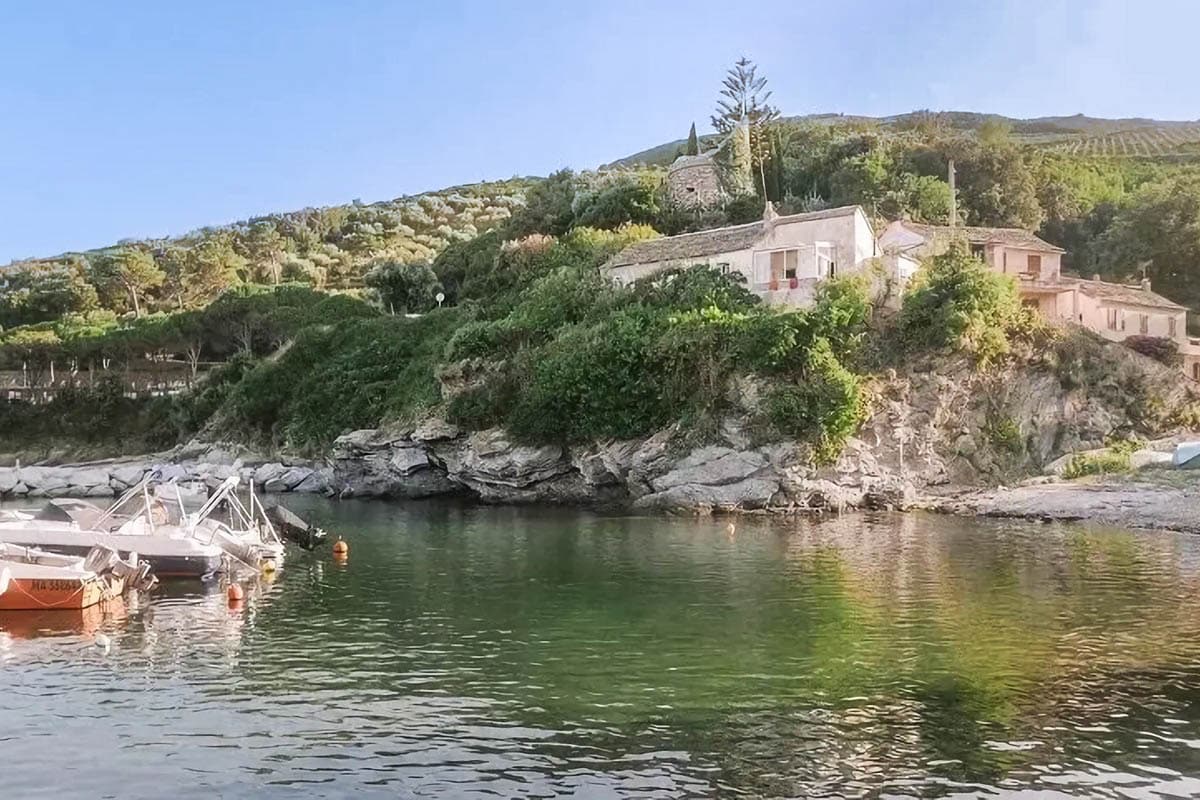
(762, 267)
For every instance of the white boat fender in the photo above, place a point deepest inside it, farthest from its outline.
(103, 642)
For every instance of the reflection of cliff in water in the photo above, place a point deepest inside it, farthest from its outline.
(944, 661)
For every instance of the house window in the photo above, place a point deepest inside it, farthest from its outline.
(826, 255)
(1171, 329)
(1112, 318)
(723, 267)
(1033, 265)
(978, 250)
(1144, 323)
(778, 259)
(1004, 261)
(1196, 370)
(784, 264)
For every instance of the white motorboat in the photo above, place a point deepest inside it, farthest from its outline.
(151, 519)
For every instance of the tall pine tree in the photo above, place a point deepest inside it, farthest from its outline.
(743, 97)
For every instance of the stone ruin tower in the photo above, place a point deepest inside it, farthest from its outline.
(712, 178)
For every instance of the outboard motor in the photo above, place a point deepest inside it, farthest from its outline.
(294, 528)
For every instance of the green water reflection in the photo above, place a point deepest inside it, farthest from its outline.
(473, 651)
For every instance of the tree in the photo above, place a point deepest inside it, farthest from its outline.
(996, 187)
(618, 199)
(743, 98)
(957, 302)
(693, 143)
(863, 179)
(196, 275)
(403, 288)
(995, 131)
(265, 250)
(129, 271)
(187, 330)
(1159, 230)
(34, 348)
(547, 207)
(43, 291)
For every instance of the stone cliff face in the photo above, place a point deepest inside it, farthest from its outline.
(949, 427)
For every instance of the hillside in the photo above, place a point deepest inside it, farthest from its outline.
(1077, 134)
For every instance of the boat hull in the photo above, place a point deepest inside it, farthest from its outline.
(36, 592)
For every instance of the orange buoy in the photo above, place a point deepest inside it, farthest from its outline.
(340, 548)
(235, 593)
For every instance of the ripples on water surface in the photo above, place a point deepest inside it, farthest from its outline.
(474, 652)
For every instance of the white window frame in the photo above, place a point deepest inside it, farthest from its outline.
(825, 259)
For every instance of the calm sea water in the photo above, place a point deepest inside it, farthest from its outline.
(476, 652)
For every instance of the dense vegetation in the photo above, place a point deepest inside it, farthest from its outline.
(321, 321)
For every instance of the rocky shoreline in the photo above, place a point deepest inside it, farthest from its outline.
(1123, 502)
(437, 460)
(932, 440)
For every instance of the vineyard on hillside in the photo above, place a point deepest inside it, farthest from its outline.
(1147, 142)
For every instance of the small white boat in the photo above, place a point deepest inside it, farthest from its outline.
(152, 520)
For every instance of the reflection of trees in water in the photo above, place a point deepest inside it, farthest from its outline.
(979, 657)
(795, 657)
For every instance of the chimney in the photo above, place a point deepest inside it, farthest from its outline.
(1145, 284)
(1096, 277)
(769, 213)
(950, 175)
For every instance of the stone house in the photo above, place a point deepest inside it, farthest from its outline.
(782, 258)
(1115, 311)
(711, 178)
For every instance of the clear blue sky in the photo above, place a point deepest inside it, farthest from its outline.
(133, 119)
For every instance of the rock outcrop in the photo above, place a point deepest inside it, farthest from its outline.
(648, 474)
(111, 478)
(949, 426)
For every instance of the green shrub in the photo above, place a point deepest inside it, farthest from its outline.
(1004, 434)
(485, 406)
(958, 303)
(1113, 460)
(825, 408)
(476, 339)
(97, 421)
(595, 380)
(352, 375)
(1161, 349)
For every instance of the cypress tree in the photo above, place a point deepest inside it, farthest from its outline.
(693, 143)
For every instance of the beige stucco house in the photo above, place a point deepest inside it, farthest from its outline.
(782, 258)
(1113, 310)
